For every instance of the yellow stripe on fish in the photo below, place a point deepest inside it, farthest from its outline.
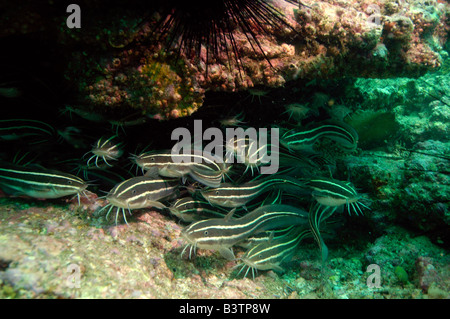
(189, 210)
(14, 129)
(206, 169)
(340, 132)
(39, 182)
(139, 192)
(229, 195)
(334, 193)
(275, 251)
(222, 233)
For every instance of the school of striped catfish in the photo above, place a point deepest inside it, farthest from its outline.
(222, 202)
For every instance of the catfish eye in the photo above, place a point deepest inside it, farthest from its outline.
(133, 192)
(205, 233)
(217, 192)
(69, 182)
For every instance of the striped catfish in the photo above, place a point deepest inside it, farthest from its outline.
(14, 129)
(39, 182)
(343, 134)
(139, 192)
(105, 149)
(335, 193)
(231, 196)
(206, 169)
(271, 253)
(246, 151)
(189, 210)
(223, 233)
(264, 237)
(330, 194)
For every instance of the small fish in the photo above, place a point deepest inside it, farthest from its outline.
(330, 194)
(139, 192)
(223, 233)
(162, 162)
(343, 134)
(39, 182)
(297, 112)
(15, 129)
(335, 193)
(189, 210)
(105, 149)
(258, 93)
(231, 196)
(263, 237)
(246, 151)
(208, 177)
(130, 120)
(89, 115)
(274, 251)
(235, 120)
(206, 169)
(339, 112)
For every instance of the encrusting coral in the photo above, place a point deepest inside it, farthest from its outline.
(326, 39)
(157, 85)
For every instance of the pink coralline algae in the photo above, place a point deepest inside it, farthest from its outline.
(335, 38)
(327, 39)
(146, 80)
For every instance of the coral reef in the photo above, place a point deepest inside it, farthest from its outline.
(158, 86)
(411, 188)
(404, 264)
(328, 39)
(341, 60)
(125, 68)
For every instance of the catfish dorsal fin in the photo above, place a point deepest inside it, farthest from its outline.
(229, 215)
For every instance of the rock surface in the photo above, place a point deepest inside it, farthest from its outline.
(122, 73)
(57, 250)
